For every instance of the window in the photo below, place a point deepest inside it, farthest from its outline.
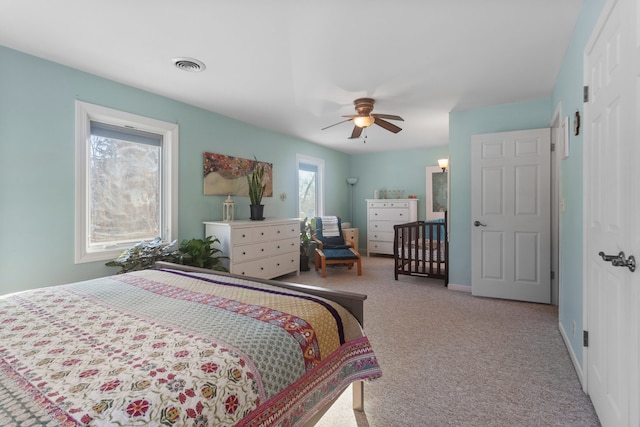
(126, 181)
(310, 187)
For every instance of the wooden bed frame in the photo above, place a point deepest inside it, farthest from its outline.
(353, 302)
(421, 248)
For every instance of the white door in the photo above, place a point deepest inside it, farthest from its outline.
(511, 214)
(612, 212)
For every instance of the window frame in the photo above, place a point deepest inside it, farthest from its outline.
(319, 163)
(85, 113)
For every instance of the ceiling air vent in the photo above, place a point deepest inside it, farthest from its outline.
(189, 64)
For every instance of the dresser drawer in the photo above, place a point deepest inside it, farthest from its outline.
(285, 263)
(386, 236)
(381, 226)
(242, 253)
(391, 214)
(387, 205)
(286, 231)
(258, 268)
(240, 236)
(284, 246)
(380, 247)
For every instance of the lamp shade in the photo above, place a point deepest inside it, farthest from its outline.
(352, 181)
(443, 163)
(363, 121)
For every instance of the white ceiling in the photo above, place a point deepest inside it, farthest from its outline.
(295, 66)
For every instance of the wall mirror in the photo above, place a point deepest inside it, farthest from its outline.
(437, 199)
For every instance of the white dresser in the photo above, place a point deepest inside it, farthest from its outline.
(264, 249)
(382, 215)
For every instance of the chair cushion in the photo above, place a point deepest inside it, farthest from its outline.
(339, 254)
(330, 246)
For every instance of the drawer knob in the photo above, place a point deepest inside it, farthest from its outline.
(278, 246)
(244, 235)
(262, 250)
(244, 253)
(278, 231)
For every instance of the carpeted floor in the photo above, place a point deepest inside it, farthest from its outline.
(451, 359)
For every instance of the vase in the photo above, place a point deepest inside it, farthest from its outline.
(256, 212)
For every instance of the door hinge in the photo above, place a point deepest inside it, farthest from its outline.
(585, 338)
(553, 147)
(585, 93)
(553, 275)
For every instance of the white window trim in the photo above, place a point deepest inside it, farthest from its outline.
(301, 158)
(86, 112)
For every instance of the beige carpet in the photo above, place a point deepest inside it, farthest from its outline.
(450, 359)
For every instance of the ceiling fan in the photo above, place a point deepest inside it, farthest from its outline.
(365, 118)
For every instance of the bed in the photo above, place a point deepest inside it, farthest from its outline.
(180, 346)
(421, 248)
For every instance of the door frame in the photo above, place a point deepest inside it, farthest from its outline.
(556, 204)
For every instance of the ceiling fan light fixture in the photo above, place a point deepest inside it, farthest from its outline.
(363, 121)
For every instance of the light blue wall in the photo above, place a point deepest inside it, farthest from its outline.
(462, 125)
(37, 166)
(567, 96)
(392, 170)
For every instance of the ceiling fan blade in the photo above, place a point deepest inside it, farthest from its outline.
(335, 124)
(356, 133)
(388, 116)
(388, 126)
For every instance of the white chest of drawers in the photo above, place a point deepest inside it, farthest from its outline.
(382, 215)
(264, 249)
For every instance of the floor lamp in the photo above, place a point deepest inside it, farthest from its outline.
(352, 182)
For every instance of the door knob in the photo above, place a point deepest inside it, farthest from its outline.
(478, 224)
(620, 260)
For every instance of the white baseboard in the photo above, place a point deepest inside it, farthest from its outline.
(572, 354)
(460, 288)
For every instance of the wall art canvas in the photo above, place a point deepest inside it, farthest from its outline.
(228, 175)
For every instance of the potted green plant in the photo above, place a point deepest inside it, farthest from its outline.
(255, 180)
(305, 241)
(143, 255)
(202, 253)
(196, 252)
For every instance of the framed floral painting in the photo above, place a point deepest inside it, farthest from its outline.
(228, 175)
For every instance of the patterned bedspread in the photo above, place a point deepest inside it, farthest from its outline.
(172, 348)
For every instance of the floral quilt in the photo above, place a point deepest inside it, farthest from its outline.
(168, 348)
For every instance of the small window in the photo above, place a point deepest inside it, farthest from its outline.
(310, 187)
(126, 181)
